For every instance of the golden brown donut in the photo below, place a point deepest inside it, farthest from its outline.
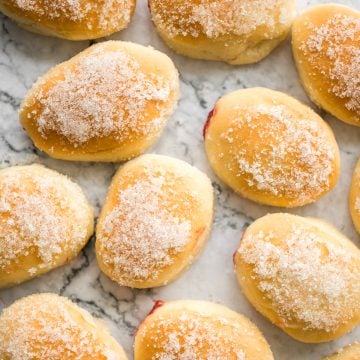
(271, 148)
(326, 49)
(108, 103)
(350, 352)
(50, 327)
(70, 19)
(155, 221)
(234, 31)
(354, 197)
(45, 220)
(301, 274)
(198, 330)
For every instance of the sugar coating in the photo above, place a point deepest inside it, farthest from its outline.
(292, 156)
(143, 234)
(196, 336)
(216, 18)
(42, 327)
(40, 214)
(307, 278)
(108, 12)
(106, 93)
(337, 42)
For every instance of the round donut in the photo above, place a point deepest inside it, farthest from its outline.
(70, 19)
(155, 221)
(198, 330)
(325, 42)
(108, 103)
(234, 31)
(301, 274)
(354, 197)
(50, 327)
(270, 148)
(45, 220)
(350, 352)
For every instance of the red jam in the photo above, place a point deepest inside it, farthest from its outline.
(211, 114)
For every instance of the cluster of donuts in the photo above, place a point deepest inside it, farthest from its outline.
(110, 103)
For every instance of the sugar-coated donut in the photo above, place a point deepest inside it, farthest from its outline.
(270, 148)
(234, 31)
(354, 197)
(70, 19)
(326, 42)
(45, 220)
(198, 330)
(155, 221)
(108, 103)
(50, 327)
(350, 352)
(302, 274)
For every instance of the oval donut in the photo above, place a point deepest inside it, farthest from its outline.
(301, 274)
(108, 103)
(50, 327)
(325, 40)
(70, 19)
(234, 31)
(270, 148)
(198, 330)
(155, 221)
(45, 220)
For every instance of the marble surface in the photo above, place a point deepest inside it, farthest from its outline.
(25, 56)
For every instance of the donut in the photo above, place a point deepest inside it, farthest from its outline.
(45, 220)
(50, 327)
(70, 19)
(301, 274)
(354, 197)
(155, 221)
(350, 352)
(198, 330)
(270, 148)
(234, 31)
(325, 41)
(108, 103)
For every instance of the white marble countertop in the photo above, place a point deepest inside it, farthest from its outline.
(25, 56)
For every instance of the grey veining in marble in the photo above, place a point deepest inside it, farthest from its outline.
(25, 56)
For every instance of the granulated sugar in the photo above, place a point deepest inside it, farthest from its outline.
(103, 13)
(196, 337)
(107, 93)
(291, 157)
(37, 218)
(219, 18)
(337, 43)
(141, 236)
(306, 278)
(43, 328)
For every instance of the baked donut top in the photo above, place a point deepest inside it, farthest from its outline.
(41, 212)
(306, 278)
(107, 13)
(194, 335)
(276, 150)
(103, 92)
(149, 224)
(332, 49)
(44, 327)
(217, 18)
